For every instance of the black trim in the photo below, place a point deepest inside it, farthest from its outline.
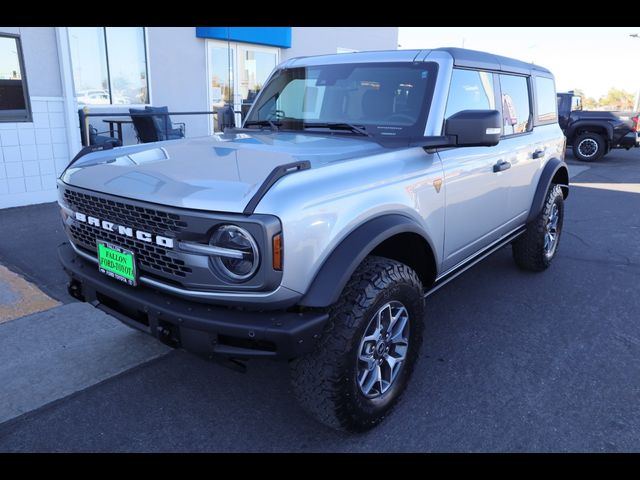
(202, 329)
(275, 175)
(85, 151)
(474, 259)
(544, 183)
(352, 250)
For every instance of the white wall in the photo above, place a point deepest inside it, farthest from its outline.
(323, 40)
(41, 59)
(33, 154)
(178, 74)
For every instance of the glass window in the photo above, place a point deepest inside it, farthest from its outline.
(254, 67)
(385, 99)
(546, 100)
(576, 103)
(109, 65)
(14, 101)
(470, 90)
(515, 104)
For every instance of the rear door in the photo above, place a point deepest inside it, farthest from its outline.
(517, 146)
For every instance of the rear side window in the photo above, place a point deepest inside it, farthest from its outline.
(470, 90)
(546, 100)
(516, 111)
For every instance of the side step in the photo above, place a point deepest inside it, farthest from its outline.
(445, 278)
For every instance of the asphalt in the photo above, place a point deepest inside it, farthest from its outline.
(512, 361)
(28, 246)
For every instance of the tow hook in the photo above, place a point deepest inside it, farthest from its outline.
(74, 287)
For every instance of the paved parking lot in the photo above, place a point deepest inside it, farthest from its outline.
(512, 361)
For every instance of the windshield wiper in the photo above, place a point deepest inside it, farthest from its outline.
(339, 126)
(264, 123)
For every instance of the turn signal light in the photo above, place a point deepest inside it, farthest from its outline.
(277, 252)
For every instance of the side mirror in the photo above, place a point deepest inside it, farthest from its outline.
(474, 128)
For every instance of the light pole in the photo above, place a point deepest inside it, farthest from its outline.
(637, 104)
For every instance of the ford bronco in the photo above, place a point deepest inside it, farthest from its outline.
(357, 185)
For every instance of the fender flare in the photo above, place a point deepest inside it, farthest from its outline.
(585, 124)
(549, 171)
(338, 267)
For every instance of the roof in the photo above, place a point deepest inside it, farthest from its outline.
(475, 59)
(461, 58)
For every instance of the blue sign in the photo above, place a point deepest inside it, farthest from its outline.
(274, 36)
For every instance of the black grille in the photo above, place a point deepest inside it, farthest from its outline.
(150, 258)
(140, 218)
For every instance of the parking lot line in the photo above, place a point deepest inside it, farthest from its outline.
(19, 297)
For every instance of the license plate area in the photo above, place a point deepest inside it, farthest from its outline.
(117, 262)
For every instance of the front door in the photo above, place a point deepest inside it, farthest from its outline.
(477, 198)
(236, 72)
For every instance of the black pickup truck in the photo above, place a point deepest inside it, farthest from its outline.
(593, 133)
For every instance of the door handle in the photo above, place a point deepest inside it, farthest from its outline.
(538, 154)
(501, 166)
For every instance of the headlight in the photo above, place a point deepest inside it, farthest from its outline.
(242, 257)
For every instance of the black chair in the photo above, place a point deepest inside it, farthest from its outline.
(96, 137)
(155, 128)
(168, 130)
(144, 126)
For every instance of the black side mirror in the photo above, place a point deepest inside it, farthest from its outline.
(474, 128)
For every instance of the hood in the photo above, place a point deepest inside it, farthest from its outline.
(221, 172)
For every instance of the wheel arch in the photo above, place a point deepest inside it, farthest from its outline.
(601, 128)
(392, 236)
(555, 171)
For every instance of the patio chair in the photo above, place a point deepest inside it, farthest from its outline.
(169, 130)
(96, 137)
(144, 125)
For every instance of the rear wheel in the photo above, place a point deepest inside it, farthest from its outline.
(589, 147)
(362, 364)
(534, 250)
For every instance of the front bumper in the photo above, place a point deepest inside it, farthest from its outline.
(200, 328)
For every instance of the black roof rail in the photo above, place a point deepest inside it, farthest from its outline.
(275, 175)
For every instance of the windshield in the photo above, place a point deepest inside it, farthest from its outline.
(373, 99)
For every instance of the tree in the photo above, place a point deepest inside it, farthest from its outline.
(617, 99)
(588, 103)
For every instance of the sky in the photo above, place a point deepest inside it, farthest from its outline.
(592, 59)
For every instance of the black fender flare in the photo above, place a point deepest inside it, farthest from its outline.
(548, 172)
(336, 270)
(585, 124)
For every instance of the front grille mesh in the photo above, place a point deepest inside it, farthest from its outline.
(151, 258)
(140, 218)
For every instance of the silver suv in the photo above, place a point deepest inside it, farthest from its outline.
(358, 184)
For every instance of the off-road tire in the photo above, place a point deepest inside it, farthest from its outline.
(324, 381)
(529, 248)
(584, 143)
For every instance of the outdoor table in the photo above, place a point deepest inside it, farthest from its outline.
(118, 125)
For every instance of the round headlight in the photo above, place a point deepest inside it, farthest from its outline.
(241, 257)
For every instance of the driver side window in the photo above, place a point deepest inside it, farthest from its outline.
(470, 90)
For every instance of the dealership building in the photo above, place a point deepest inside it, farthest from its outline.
(48, 74)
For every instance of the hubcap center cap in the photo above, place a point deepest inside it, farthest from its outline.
(380, 348)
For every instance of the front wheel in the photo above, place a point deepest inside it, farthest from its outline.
(535, 248)
(364, 360)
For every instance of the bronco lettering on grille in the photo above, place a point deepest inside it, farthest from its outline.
(123, 230)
